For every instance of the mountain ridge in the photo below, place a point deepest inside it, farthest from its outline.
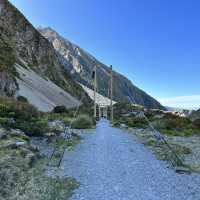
(79, 63)
(21, 44)
(56, 59)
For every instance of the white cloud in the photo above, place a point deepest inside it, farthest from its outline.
(189, 102)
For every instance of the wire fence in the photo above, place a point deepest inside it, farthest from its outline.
(68, 129)
(176, 160)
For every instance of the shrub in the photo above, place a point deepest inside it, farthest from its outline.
(82, 122)
(67, 120)
(22, 99)
(197, 123)
(136, 122)
(32, 128)
(21, 115)
(60, 109)
(17, 109)
(5, 122)
(175, 122)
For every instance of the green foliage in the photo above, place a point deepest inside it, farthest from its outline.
(136, 122)
(166, 123)
(22, 174)
(86, 109)
(197, 123)
(18, 110)
(125, 108)
(7, 56)
(67, 120)
(83, 122)
(60, 109)
(22, 99)
(174, 125)
(5, 122)
(21, 115)
(33, 127)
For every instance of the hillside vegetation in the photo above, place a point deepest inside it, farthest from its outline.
(165, 122)
(20, 123)
(181, 133)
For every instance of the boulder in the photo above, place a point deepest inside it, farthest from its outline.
(3, 134)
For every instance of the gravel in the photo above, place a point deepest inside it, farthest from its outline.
(111, 164)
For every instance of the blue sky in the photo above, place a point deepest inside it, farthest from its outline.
(154, 43)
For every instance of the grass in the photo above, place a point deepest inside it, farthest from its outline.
(7, 57)
(22, 173)
(162, 151)
(21, 115)
(83, 122)
(176, 126)
(166, 123)
(60, 144)
(170, 126)
(132, 122)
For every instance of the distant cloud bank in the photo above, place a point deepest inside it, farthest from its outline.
(188, 102)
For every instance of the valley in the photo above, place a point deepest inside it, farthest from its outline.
(72, 127)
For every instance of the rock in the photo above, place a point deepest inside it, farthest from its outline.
(22, 45)
(8, 85)
(158, 116)
(3, 134)
(57, 125)
(8, 145)
(123, 126)
(20, 143)
(50, 134)
(19, 133)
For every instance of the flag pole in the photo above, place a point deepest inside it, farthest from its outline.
(111, 93)
(95, 89)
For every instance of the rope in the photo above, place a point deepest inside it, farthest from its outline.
(160, 137)
(69, 128)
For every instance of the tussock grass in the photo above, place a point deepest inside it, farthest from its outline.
(21, 115)
(22, 174)
(83, 122)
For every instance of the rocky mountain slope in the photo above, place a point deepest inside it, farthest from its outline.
(100, 99)
(80, 65)
(21, 44)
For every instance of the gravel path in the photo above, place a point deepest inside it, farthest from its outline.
(113, 165)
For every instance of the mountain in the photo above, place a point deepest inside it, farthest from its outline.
(48, 69)
(80, 64)
(27, 56)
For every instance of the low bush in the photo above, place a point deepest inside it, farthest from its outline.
(83, 122)
(197, 123)
(21, 115)
(32, 128)
(22, 99)
(136, 122)
(6, 122)
(60, 109)
(67, 120)
(18, 109)
(175, 125)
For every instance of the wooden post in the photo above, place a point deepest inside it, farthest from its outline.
(95, 89)
(99, 112)
(111, 93)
